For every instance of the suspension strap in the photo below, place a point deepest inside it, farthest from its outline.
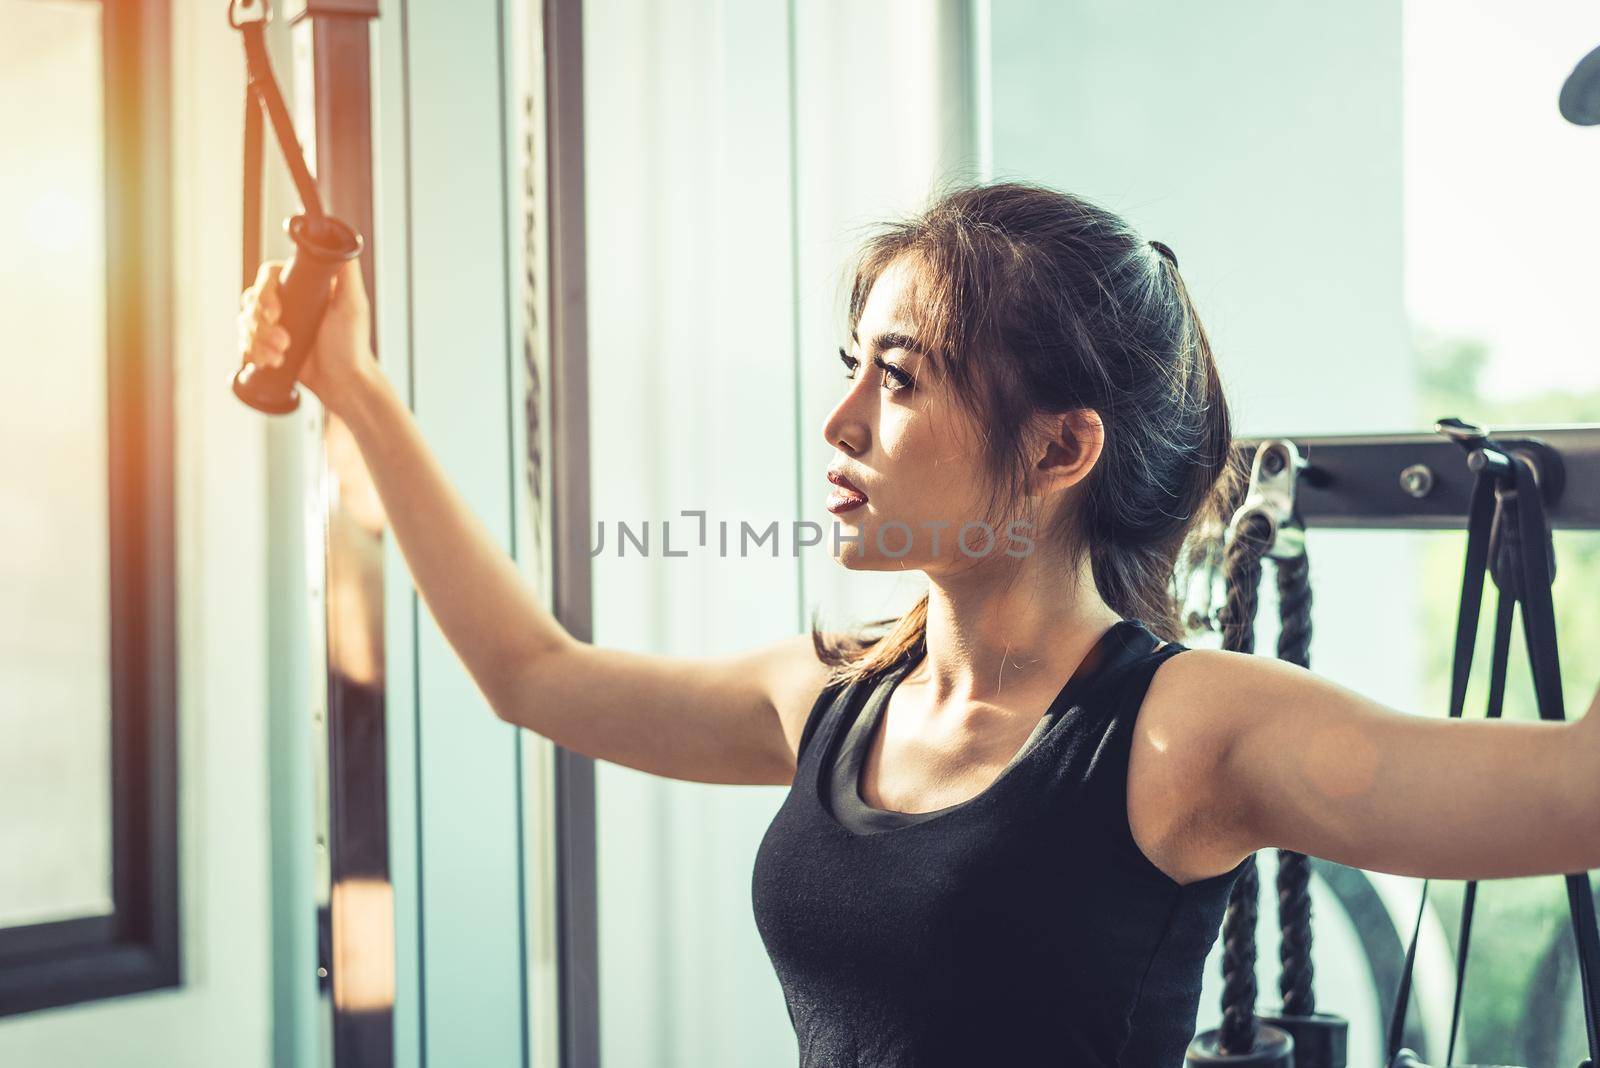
(1507, 531)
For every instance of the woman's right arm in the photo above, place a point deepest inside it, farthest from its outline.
(727, 719)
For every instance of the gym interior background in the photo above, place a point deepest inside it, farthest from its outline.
(1380, 213)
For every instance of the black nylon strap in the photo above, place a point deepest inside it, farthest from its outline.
(262, 94)
(1480, 516)
(271, 97)
(1539, 630)
(252, 184)
(1504, 603)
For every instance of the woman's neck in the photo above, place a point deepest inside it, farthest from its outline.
(986, 639)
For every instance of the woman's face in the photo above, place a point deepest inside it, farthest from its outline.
(899, 437)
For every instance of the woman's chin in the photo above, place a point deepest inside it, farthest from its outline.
(857, 558)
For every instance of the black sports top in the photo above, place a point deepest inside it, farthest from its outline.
(1023, 926)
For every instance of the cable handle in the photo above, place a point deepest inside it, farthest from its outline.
(322, 246)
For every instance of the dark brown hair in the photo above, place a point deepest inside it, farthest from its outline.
(1033, 301)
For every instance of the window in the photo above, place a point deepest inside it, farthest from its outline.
(88, 888)
(1503, 336)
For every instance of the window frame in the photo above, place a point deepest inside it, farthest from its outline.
(136, 947)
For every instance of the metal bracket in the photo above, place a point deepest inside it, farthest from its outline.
(1271, 494)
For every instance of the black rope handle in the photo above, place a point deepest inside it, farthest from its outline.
(1294, 869)
(1267, 524)
(1242, 584)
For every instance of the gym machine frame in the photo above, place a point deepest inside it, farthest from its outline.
(352, 813)
(1398, 481)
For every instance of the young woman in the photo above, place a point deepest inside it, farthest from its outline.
(1015, 816)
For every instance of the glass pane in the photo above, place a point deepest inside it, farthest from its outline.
(54, 581)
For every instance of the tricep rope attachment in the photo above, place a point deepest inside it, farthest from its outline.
(1267, 526)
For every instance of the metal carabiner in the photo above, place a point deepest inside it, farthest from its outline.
(241, 12)
(1271, 495)
(1481, 452)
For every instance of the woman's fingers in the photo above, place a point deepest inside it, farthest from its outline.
(266, 288)
(254, 312)
(268, 303)
(257, 318)
(265, 343)
(264, 355)
(261, 340)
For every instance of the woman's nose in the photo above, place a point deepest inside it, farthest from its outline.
(843, 430)
(848, 425)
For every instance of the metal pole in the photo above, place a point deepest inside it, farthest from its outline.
(579, 950)
(357, 928)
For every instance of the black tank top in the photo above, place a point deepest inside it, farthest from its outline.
(1023, 926)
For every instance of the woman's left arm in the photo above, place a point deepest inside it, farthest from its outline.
(1306, 764)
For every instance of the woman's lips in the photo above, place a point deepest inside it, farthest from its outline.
(842, 500)
(846, 497)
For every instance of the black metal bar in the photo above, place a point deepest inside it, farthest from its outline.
(577, 919)
(1421, 481)
(359, 921)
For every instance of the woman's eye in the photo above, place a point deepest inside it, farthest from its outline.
(902, 380)
(891, 373)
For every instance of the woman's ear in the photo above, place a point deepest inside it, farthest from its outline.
(1068, 445)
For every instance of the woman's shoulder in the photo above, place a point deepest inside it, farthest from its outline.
(1185, 727)
(1181, 699)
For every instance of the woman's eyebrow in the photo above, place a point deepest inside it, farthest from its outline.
(893, 340)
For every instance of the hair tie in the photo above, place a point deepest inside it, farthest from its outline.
(1166, 252)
